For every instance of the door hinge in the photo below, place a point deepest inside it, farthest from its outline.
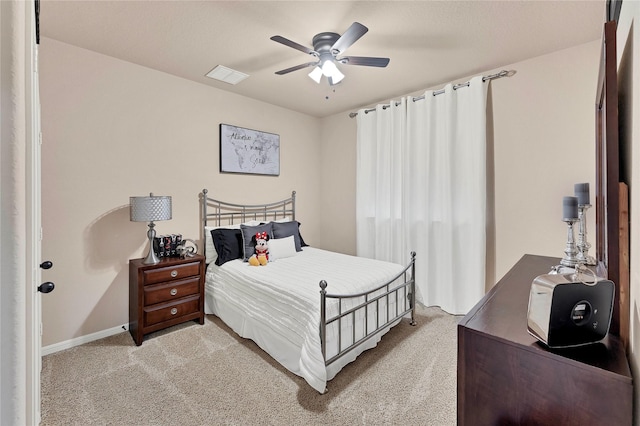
(40, 329)
(40, 138)
(40, 233)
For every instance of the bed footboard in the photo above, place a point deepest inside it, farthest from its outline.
(402, 286)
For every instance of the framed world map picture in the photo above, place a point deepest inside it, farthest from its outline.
(249, 151)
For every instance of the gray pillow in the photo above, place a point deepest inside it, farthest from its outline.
(286, 229)
(248, 232)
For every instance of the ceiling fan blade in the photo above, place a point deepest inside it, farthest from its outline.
(353, 33)
(364, 60)
(297, 67)
(293, 44)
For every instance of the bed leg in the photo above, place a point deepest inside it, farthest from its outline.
(413, 310)
(412, 295)
(323, 319)
(412, 304)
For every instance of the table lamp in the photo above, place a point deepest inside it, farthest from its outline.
(150, 209)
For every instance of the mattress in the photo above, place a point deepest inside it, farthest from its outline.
(278, 307)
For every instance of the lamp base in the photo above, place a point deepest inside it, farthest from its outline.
(151, 258)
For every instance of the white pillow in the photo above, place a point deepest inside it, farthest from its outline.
(209, 249)
(279, 248)
(282, 219)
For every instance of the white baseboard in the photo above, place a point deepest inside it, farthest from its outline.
(67, 344)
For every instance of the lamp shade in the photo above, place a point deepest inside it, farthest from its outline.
(149, 209)
(316, 74)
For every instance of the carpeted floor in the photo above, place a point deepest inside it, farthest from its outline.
(207, 375)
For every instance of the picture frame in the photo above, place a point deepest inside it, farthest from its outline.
(249, 151)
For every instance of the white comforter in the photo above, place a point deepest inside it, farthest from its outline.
(278, 305)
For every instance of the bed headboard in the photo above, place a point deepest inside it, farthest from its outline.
(221, 213)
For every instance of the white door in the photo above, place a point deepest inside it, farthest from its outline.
(34, 239)
(20, 124)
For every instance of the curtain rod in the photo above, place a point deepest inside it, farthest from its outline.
(503, 73)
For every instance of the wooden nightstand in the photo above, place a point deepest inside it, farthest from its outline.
(165, 294)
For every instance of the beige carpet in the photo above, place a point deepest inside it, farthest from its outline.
(195, 374)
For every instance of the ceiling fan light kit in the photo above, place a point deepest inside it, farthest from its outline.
(327, 47)
(331, 71)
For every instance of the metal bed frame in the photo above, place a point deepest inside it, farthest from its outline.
(225, 213)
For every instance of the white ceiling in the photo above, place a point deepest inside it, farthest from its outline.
(429, 42)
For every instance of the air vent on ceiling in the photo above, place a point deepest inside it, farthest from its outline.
(227, 75)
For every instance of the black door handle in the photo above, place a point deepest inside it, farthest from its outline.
(46, 287)
(47, 264)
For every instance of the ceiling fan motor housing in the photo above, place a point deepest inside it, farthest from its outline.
(323, 42)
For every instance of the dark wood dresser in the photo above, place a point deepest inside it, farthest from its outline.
(165, 294)
(506, 377)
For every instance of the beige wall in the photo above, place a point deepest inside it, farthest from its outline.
(111, 130)
(628, 49)
(544, 137)
(543, 142)
(338, 188)
(543, 127)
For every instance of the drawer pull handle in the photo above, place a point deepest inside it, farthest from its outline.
(174, 311)
(174, 291)
(174, 273)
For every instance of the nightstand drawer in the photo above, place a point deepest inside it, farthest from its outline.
(175, 272)
(166, 311)
(172, 290)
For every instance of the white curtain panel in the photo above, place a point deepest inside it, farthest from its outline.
(421, 186)
(379, 195)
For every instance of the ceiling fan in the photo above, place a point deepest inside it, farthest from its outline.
(326, 49)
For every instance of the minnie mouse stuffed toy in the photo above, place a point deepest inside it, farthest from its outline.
(261, 255)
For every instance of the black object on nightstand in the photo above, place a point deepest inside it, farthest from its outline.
(165, 294)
